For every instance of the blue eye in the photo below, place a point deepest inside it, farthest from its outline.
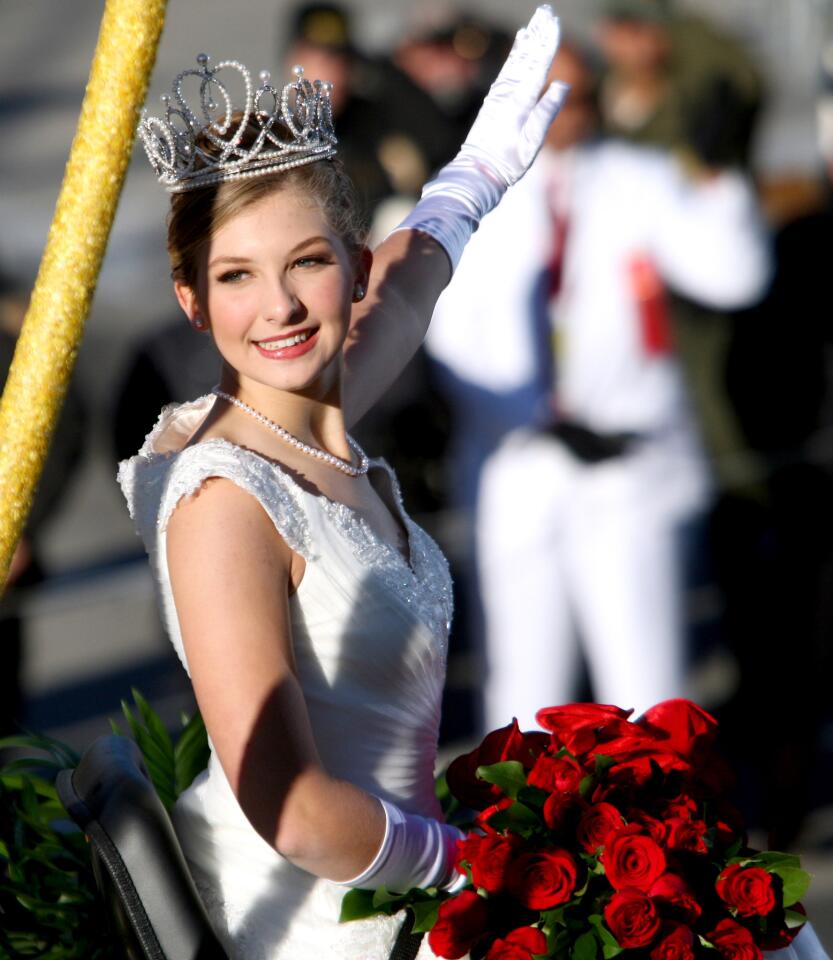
(232, 276)
(313, 260)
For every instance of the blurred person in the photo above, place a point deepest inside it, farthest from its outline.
(454, 62)
(391, 133)
(673, 80)
(26, 569)
(780, 611)
(581, 513)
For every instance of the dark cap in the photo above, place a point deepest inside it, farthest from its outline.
(322, 24)
(641, 11)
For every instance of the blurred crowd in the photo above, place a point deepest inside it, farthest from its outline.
(624, 408)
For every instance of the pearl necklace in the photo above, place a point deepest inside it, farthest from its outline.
(328, 458)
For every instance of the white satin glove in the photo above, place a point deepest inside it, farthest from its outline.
(415, 852)
(501, 145)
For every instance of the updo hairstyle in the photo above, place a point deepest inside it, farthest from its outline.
(196, 215)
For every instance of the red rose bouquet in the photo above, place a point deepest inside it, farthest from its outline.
(603, 837)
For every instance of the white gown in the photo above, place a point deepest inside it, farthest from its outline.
(370, 638)
(370, 635)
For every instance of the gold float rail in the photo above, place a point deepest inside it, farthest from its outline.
(48, 344)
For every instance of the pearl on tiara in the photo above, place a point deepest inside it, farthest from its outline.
(194, 147)
(330, 459)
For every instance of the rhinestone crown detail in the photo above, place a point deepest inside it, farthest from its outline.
(190, 148)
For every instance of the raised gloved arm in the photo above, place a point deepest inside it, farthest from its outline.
(409, 271)
(501, 145)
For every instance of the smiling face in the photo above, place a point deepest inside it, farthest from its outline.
(275, 288)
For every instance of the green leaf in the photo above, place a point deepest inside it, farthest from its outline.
(586, 785)
(553, 918)
(425, 915)
(794, 919)
(357, 905)
(769, 860)
(796, 882)
(384, 898)
(610, 946)
(190, 753)
(603, 763)
(509, 776)
(533, 797)
(585, 947)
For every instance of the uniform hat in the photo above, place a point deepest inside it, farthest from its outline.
(323, 25)
(647, 11)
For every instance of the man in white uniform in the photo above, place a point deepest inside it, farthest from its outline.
(580, 512)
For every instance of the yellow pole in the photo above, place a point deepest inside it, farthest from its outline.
(54, 323)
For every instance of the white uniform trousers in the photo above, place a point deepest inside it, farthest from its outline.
(571, 553)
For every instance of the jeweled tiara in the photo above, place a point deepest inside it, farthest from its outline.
(189, 149)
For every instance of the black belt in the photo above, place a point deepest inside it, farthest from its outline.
(589, 446)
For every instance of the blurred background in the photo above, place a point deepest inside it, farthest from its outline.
(729, 103)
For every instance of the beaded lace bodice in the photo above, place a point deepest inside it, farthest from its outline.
(369, 631)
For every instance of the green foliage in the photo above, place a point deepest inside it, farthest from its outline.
(49, 905)
(508, 776)
(172, 767)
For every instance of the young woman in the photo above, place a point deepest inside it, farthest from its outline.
(309, 611)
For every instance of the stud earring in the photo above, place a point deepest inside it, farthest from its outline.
(198, 322)
(358, 293)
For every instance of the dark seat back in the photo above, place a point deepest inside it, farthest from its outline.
(139, 866)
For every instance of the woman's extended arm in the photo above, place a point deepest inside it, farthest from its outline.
(415, 263)
(230, 574)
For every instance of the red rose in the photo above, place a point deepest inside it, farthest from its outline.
(654, 828)
(748, 889)
(677, 943)
(636, 758)
(558, 807)
(580, 726)
(687, 835)
(461, 921)
(542, 879)
(632, 859)
(596, 824)
(673, 892)
(683, 726)
(488, 857)
(508, 743)
(684, 808)
(734, 941)
(632, 918)
(520, 944)
(556, 775)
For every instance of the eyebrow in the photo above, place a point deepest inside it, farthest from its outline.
(308, 242)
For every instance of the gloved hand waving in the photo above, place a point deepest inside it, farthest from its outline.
(501, 145)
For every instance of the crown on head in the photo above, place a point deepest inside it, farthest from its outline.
(190, 148)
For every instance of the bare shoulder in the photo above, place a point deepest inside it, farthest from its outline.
(221, 524)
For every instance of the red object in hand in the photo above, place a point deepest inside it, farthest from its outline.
(649, 295)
